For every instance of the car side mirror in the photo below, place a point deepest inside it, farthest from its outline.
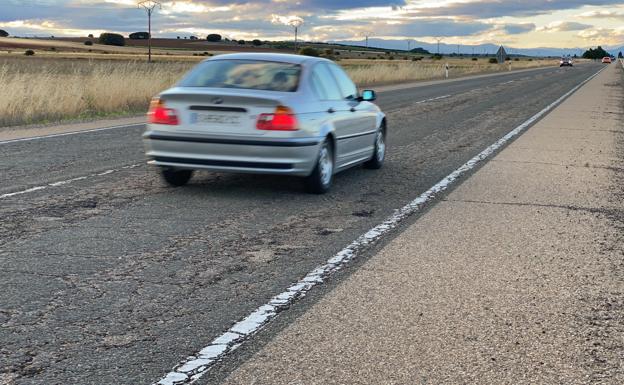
(368, 96)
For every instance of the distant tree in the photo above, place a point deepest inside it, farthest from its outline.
(139, 36)
(241, 42)
(620, 56)
(88, 42)
(112, 39)
(309, 51)
(90, 36)
(193, 37)
(597, 53)
(256, 42)
(3, 33)
(420, 51)
(178, 37)
(214, 37)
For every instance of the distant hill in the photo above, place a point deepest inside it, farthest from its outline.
(481, 49)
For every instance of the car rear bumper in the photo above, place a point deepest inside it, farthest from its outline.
(296, 156)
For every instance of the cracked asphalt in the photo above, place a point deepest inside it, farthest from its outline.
(114, 279)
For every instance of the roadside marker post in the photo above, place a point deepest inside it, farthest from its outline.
(446, 70)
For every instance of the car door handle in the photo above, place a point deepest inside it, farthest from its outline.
(331, 110)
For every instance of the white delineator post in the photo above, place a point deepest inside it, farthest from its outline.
(446, 70)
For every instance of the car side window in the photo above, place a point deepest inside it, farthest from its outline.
(326, 82)
(347, 88)
(317, 85)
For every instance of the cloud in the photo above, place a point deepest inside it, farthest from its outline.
(602, 14)
(496, 8)
(564, 26)
(516, 29)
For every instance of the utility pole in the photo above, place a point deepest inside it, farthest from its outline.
(457, 49)
(149, 6)
(296, 23)
(409, 45)
(439, 39)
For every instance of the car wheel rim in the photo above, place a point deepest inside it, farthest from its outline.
(381, 146)
(326, 165)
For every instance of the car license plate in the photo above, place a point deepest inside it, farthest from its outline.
(212, 118)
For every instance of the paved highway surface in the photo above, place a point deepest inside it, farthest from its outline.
(113, 278)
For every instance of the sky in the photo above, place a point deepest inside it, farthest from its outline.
(520, 24)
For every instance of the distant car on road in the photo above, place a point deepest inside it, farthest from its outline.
(606, 60)
(265, 113)
(565, 62)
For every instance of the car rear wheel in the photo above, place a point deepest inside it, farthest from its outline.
(322, 176)
(175, 177)
(379, 155)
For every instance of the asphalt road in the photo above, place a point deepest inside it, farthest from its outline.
(114, 278)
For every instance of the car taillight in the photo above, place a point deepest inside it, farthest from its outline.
(283, 119)
(159, 114)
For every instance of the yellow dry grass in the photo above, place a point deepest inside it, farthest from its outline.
(45, 88)
(52, 90)
(369, 72)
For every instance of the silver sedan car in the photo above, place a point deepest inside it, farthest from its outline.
(268, 114)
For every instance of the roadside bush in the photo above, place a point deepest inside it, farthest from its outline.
(417, 58)
(90, 36)
(474, 59)
(29, 52)
(390, 57)
(437, 56)
(493, 60)
(309, 51)
(214, 37)
(530, 59)
(516, 59)
(193, 37)
(256, 42)
(139, 36)
(3, 33)
(112, 39)
(88, 42)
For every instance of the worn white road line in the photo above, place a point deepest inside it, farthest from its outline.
(68, 133)
(194, 367)
(433, 99)
(68, 181)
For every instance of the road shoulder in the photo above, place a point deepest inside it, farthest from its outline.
(514, 278)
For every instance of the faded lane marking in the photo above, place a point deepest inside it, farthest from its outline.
(68, 181)
(195, 366)
(69, 133)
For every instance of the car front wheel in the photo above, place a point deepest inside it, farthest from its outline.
(175, 177)
(322, 176)
(379, 154)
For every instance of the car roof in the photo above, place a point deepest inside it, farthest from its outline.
(276, 57)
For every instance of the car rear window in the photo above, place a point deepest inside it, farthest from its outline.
(244, 74)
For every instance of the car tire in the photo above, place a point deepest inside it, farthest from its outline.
(320, 181)
(379, 154)
(176, 178)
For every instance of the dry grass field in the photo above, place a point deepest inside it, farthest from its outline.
(44, 90)
(377, 72)
(52, 87)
